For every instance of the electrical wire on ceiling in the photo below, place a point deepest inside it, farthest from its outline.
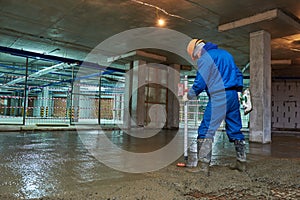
(202, 7)
(161, 9)
(294, 49)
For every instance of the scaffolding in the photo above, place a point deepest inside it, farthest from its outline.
(35, 92)
(197, 107)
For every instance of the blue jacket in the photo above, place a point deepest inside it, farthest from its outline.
(217, 71)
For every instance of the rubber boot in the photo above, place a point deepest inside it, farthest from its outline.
(204, 147)
(240, 147)
(192, 155)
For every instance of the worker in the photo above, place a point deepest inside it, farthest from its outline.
(218, 75)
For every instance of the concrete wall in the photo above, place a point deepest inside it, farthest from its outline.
(286, 97)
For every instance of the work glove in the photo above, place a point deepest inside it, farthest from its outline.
(246, 101)
(240, 97)
(185, 98)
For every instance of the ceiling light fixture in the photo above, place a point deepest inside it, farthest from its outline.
(160, 21)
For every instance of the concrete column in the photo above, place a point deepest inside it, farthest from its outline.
(45, 101)
(5, 110)
(76, 101)
(139, 71)
(38, 103)
(122, 108)
(134, 98)
(69, 104)
(114, 106)
(173, 103)
(260, 85)
(119, 107)
(13, 104)
(50, 104)
(127, 96)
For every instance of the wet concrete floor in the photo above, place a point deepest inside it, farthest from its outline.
(42, 164)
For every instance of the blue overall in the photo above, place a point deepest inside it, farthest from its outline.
(218, 75)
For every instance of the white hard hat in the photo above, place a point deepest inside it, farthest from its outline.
(192, 45)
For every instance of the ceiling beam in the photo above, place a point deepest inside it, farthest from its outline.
(276, 22)
(281, 62)
(268, 15)
(137, 55)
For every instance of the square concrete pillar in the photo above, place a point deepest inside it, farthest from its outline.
(46, 100)
(173, 103)
(127, 96)
(138, 92)
(134, 97)
(75, 101)
(260, 86)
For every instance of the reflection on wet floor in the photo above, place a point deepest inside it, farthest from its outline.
(38, 164)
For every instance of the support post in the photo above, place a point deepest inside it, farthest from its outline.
(25, 93)
(173, 103)
(185, 150)
(260, 85)
(127, 96)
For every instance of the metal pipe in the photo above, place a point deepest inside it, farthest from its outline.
(99, 103)
(185, 140)
(246, 67)
(33, 55)
(71, 95)
(25, 94)
(20, 68)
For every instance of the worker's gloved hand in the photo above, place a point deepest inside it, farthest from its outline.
(247, 104)
(185, 98)
(240, 97)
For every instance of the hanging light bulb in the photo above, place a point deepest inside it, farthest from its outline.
(161, 22)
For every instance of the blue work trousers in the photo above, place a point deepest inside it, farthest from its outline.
(222, 106)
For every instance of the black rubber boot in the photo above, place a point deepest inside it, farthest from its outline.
(204, 147)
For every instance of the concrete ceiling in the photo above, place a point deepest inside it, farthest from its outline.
(72, 28)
